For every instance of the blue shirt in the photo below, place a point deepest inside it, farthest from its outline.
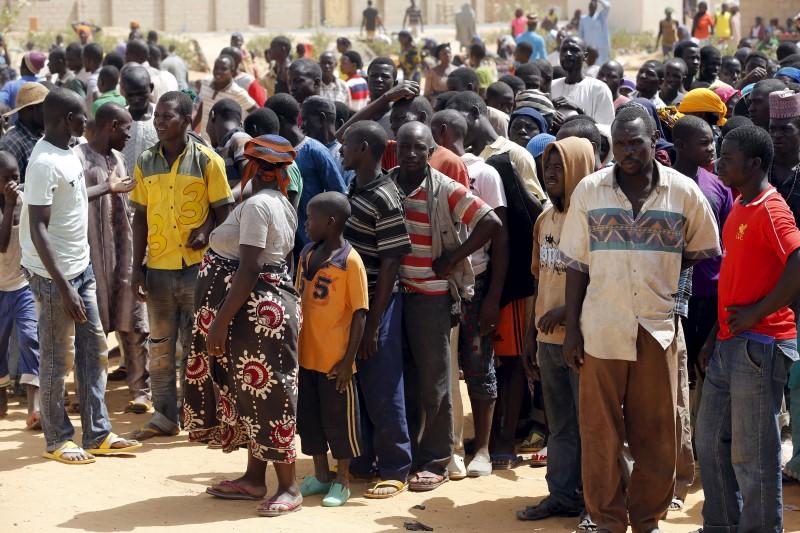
(8, 94)
(536, 41)
(320, 174)
(594, 31)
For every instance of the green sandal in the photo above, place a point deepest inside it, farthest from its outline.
(337, 496)
(311, 486)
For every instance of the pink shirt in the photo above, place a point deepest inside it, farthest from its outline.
(519, 25)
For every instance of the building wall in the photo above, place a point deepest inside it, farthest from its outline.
(767, 9)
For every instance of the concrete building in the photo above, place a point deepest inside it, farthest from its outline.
(177, 16)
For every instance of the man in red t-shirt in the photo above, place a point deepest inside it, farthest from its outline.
(703, 26)
(738, 435)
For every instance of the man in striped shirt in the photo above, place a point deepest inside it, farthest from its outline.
(434, 276)
(377, 231)
(359, 90)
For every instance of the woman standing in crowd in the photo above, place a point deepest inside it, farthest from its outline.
(436, 77)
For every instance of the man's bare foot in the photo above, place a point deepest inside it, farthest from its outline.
(76, 454)
(123, 443)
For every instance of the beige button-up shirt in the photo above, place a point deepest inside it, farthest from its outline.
(634, 263)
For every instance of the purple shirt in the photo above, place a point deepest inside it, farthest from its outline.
(706, 272)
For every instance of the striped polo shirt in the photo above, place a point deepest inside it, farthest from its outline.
(376, 227)
(359, 92)
(416, 268)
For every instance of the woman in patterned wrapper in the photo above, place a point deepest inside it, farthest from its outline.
(246, 327)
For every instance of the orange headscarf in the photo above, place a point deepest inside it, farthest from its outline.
(268, 158)
(704, 101)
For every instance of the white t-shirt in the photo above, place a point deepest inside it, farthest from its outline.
(590, 94)
(55, 178)
(266, 220)
(485, 183)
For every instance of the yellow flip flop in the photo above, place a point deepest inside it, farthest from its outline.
(67, 447)
(399, 487)
(106, 448)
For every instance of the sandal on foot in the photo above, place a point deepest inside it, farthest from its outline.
(68, 448)
(234, 492)
(285, 507)
(676, 504)
(506, 461)
(586, 523)
(311, 486)
(107, 446)
(398, 487)
(532, 444)
(547, 508)
(426, 481)
(539, 458)
(481, 465)
(148, 431)
(337, 496)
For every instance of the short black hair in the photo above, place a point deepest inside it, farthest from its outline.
(466, 76)
(453, 119)
(785, 49)
(418, 105)
(134, 75)
(306, 66)
(632, 113)
(233, 53)
(319, 104)
(441, 100)
(515, 82)
(138, 50)
(370, 132)
(7, 159)
(528, 69)
(791, 61)
(579, 126)
(464, 101)
(59, 102)
(182, 100)
(74, 48)
(682, 46)
(106, 113)
(383, 60)
(687, 127)
(756, 55)
(285, 106)
(558, 72)
(354, 57)
(526, 48)
(736, 121)
(333, 204)
(770, 85)
(753, 142)
(709, 51)
(114, 58)
(227, 109)
(498, 89)
(728, 60)
(282, 41)
(109, 75)
(154, 51)
(657, 65)
(544, 67)
(343, 112)
(477, 50)
(93, 51)
(344, 41)
(262, 121)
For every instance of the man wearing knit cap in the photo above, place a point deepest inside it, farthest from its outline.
(32, 64)
(29, 128)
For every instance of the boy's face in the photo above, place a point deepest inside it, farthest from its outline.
(223, 71)
(77, 122)
(731, 165)
(7, 174)
(699, 149)
(553, 168)
(170, 124)
(137, 95)
(317, 223)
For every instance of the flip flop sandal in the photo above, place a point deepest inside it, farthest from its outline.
(398, 487)
(107, 446)
(238, 492)
(426, 486)
(534, 443)
(539, 459)
(68, 447)
(676, 505)
(311, 486)
(586, 523)
(506, 462)
(264, 509)
(138, 408)
(337, 496)
(149, 431)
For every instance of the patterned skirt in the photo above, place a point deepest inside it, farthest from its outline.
(248, 396)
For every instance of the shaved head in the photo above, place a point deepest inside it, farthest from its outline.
(108, 113)
(367, 131)
(455, 122)
(331, 204)
(412, 132)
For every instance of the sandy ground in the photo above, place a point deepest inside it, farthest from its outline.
(162, 488)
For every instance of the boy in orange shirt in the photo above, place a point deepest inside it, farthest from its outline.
(332, 282)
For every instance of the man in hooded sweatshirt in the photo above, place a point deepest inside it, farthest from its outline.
(565, 163)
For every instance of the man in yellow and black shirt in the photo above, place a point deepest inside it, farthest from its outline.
(181, 193)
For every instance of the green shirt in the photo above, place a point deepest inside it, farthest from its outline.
(110, 96)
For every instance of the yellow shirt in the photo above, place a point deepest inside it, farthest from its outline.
(177, 200)
(329, 299)
(722, 25)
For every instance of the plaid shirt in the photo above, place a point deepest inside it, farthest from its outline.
(684, 293)
(19, 142)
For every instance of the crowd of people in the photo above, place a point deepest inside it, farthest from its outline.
(611, 265)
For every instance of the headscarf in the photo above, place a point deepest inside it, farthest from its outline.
(538, 143)
(538, 101)
(726, 92)
(533, 114)
(704, 101)
(790, 72)
(276, 152)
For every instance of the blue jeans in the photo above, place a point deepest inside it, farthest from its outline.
(560, 393)
(170, 307)
(384, 428)
(738, 435)
(56, 334)
(17, 308)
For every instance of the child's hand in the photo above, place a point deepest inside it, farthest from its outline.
(342, 372)
(11, 193)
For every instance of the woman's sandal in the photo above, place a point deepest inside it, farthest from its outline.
(398, 487)
(286, 507)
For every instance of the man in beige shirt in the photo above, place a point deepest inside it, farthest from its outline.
(629, 231)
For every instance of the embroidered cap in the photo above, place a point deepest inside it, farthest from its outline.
(784, 104)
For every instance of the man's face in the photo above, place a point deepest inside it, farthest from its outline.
(412, 152)
(302, 85)
(74, 61)
(730, 72)
(380, 79)
(553, 173)
(633, 146)
(699, 148)
(120, 133)
(277, 52)
(522, 129)
(647, 80)
(223, 71)
(691, 56)
(611, 77)
(592, 7)
(709, 69)
(400, 114)
(785, 133)
(571, 55)
(754, 63)
(314, 125)
(56, 64)
(169, 123)
(237, 41)
(137, 95)
(328, 64)
(352, 152)
(673, 78)
(532, 81)
(504, 102)
(731, 164)
(759, 108)
(77, 122)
